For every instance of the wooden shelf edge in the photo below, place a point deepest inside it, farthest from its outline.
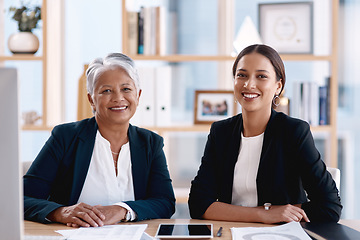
(181, 58)
(181, 194)
(184, 58)
(305, 57)
(192, 128)
(36, 128)
(324, 128)
(21, 57)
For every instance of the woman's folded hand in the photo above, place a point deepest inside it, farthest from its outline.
(78, 215)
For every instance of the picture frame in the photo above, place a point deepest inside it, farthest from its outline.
(213, 105)
(287, 27)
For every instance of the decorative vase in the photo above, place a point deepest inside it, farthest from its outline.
(23, 43)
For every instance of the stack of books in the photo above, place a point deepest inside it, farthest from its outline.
(311, 102)
(147, 31)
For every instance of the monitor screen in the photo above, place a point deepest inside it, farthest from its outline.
(11, 214)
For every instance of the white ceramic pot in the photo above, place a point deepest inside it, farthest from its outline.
(23, 43)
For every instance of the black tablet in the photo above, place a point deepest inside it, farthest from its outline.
(191, 230)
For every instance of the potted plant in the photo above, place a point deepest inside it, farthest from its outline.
(24, 41)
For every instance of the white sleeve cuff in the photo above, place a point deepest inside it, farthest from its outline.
(124, 205)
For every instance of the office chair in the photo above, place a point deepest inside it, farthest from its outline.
(335, 173)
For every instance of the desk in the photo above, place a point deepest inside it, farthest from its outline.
(33, 228)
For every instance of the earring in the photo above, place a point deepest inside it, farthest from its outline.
(276, 100)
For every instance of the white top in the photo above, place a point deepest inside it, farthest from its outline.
(102, 186)
(244, 192)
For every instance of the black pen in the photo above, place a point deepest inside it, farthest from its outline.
(218, 234)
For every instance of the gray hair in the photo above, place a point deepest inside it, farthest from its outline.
(112, 61)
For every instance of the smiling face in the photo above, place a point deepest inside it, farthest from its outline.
(255, 83)
(115, 99)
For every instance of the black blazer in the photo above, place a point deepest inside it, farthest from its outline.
(57, 175)
(289, 164)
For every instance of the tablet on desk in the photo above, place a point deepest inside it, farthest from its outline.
(190, 231)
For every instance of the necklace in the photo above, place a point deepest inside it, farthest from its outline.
(115, 164)
(114, 153)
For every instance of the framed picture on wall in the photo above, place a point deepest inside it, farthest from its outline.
(211, 106)
(287, 27)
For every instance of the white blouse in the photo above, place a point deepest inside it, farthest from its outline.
(102, 186)
(244, 192)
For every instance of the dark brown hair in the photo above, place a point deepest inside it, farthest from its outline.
(270, 54)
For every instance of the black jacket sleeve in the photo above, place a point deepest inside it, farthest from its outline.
(203, 190)
(323, 197)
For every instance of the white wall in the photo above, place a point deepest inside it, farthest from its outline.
(92, 29)
(349, 110)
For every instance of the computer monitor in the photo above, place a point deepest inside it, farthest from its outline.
(11, 200)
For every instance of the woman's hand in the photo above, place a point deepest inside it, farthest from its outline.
(283, 213)
(113, 213)
(78, 215)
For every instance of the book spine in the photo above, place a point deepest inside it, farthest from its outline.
(141, 31)
(157, 29)
(148, 30)
(153, 31)
(305, 101)
(295, 105)
(133, 32)
(314, 104)
(161, 28)
(323, 105)
(328, 86)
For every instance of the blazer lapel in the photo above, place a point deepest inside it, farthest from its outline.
(139, 162)
(232, 153)
(86, 142)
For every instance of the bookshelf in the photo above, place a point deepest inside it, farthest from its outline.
(30, 58)
(332, 59)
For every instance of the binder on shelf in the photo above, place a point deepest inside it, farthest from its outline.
(145, 113)
(163, 76)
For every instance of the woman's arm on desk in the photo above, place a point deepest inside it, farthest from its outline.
(49, 181)
(229, 212)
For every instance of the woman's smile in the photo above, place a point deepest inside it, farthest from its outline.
(115, 98)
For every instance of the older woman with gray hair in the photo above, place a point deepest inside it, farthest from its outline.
(101, 170)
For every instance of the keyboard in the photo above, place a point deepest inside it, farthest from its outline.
(43, 237)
